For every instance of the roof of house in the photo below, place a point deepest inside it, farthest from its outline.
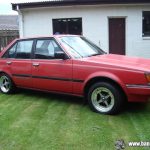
(52, 3)
(9, 22)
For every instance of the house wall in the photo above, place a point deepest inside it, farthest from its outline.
(38, 22)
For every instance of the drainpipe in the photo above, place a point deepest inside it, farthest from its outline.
(21, 22)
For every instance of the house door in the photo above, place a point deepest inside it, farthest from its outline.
(117, 36)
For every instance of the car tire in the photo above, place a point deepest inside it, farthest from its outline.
(6, 84)
(105, 98)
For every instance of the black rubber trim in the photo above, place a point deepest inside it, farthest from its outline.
(77, 80)
(21, 75)
(49, 78)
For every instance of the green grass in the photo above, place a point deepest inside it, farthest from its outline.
(32, 120)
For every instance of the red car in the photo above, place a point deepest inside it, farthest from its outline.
(74, 65)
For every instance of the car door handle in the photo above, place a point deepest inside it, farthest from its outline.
(36, 64)
(8, 62)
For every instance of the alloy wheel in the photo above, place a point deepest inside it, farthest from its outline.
(5, 84)
(103, 99)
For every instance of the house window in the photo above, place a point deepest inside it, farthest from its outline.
(146, 23)
(67, 26)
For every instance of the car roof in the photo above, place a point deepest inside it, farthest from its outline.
(52, 36)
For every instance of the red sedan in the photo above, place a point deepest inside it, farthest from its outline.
(74, 65)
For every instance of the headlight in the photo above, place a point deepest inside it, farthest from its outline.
(147, 75)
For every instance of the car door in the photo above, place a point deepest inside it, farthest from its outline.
(49, 73)
(20, 63)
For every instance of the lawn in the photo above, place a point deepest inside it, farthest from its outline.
(32, 120)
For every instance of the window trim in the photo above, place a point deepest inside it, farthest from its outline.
(145, 37)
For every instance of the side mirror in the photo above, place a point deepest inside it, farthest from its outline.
(60, 55)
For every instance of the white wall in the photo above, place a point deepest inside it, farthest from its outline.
(38, 22)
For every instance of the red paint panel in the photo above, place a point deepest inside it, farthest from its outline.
(23, 68)
(52, 75)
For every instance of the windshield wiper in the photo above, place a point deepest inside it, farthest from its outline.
(93, 55)
(97, 54)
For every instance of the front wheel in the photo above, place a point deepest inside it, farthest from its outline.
(105, 98)
(6, 84)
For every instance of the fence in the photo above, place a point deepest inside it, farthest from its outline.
(6, 36)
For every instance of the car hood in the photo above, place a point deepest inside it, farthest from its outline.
(134, 63)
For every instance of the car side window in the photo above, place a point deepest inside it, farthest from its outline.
(11, 52)
(45, 49)
(24, 49)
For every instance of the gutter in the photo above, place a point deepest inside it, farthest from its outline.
(74, 3)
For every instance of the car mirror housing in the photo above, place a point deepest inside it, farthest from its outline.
(60, 55)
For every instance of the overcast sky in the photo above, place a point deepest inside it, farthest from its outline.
(5, 6)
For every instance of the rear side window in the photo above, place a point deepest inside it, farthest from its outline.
(11, 52)
(24, 49)
(46, 48)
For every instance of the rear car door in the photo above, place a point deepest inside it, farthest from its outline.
(20, 63)
(49, 73)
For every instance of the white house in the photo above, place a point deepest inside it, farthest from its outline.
(117, 26)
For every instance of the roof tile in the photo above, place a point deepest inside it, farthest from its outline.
(9, 22)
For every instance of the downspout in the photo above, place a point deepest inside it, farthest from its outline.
(21, 22)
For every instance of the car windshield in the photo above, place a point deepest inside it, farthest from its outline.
(80, 47)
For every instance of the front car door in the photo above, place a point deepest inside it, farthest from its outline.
(49, 73)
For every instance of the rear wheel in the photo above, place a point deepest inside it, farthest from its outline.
(6, 84)
(105, 98)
